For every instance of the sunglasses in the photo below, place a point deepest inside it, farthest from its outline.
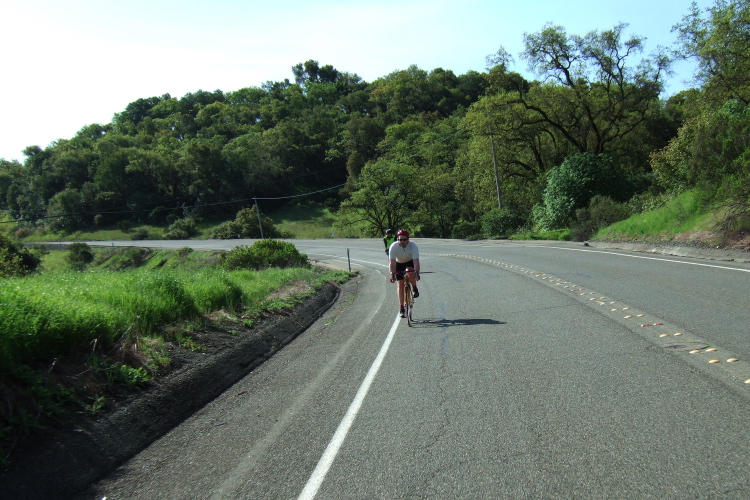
(403, 239)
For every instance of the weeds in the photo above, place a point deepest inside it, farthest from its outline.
(71, 340)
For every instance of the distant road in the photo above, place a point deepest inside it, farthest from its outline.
(538, 370)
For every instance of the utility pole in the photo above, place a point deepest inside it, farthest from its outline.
(494, 161)
(257, 211)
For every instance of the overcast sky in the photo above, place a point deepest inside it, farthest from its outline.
(69, 64)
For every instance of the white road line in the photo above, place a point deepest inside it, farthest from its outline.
(329, 455)
(648, 258)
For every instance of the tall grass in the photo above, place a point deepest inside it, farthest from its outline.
(310, 222)
(690, 211)
(51, 314)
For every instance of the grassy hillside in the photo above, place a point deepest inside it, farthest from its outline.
(688, 218)
(74, 342)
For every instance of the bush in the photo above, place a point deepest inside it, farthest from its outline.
(263, 254)
(579, 178)
(136, 257)
(140, 234)
(601, 212)
(245, 225)
(466, 230)
(181, 229)
(500, 222)
(79, 254)
(15, 260)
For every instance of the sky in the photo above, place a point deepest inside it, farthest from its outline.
(69, 64)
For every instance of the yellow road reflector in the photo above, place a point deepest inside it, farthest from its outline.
(714, 361)
(641, 315)
(695, 351)
(628, 317)
(732, 360)
(711, 349)
(678, 334)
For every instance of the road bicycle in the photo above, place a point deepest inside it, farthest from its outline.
(408, 297)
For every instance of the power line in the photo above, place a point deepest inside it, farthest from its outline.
(175, 208)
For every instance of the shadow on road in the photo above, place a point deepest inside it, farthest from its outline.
(446, 322)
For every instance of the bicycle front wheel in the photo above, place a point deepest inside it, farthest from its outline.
(408, 304)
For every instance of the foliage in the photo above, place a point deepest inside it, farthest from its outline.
(181, 229)
(245, 225)
(720, 43)
(690, 211)
(263, 254)
(79, 254)
(431, 150)
(500, 222)
(113, 325)
(383, 199)
(15, 260)
(466, 230)
(601, 212)
(711, 152)
(576, 181)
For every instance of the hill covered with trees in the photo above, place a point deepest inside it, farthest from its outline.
(446, 155)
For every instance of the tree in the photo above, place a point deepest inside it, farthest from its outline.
(576, 181)
(608, 99)
(383, 198)
(67, 210)
(721, 45)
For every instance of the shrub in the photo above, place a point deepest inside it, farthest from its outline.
(140, 234)
(465, 230)
(263, 254)
(181, 229)
(601, 212)
(500, 222)
(15, 260)
(573, 184)
(135, 257)
(79, 254)
(245, 225)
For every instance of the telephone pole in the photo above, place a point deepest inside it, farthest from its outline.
(494, 162)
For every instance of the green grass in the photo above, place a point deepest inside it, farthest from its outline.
(688, 212)
(49, 314)
(110, 328)
(154, 232)
(313, 222)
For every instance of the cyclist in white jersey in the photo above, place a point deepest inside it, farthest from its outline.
(404, 254)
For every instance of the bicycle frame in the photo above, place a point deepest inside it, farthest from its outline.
(408, 295)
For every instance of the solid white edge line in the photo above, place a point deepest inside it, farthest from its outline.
(325, 462)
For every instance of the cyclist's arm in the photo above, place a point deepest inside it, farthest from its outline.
(416, 265)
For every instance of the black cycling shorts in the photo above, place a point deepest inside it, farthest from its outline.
(400, 268)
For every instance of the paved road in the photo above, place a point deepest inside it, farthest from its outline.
(538, 370)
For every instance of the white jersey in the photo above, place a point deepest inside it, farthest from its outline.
(403, 254)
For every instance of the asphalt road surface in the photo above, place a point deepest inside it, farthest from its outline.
(536, 370)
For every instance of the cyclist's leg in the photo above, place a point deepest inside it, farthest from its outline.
(400, 285)
(412, 277)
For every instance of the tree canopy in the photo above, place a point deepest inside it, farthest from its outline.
(428, 149)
